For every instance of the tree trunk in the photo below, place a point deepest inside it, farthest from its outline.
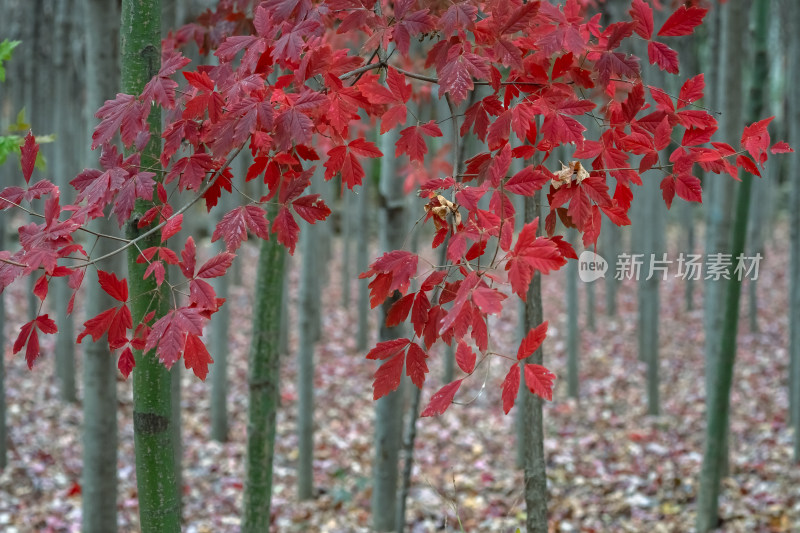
(159, 498)
(611, 236)
(389, 409)
(362, 256)
(532, 416)
(65, 166)
(719, 404)
(794, 267)
(99, 477)
(221, 340)
(307, 314)
(573, 333)
(263, 383)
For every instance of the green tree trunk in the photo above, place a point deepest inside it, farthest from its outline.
(389, 409)
(99, 476)
(159, 498)
(263, 384)
(719, 404)
(362, 254)
(535, 475)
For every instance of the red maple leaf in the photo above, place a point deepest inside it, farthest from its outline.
(539, 380)
(531, 254)
(28, 152)
(416, 368)
(442, 399)
(342, 159)
(412, 142)
(29, 336)
(393, 272)
(682, 22)
(234, 226)
(510, 388)
(125, 114)
(161, 88)
(168, 335)
(196, 356)
(532, 341)
(465, 357)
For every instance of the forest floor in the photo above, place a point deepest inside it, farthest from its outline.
(611, 467)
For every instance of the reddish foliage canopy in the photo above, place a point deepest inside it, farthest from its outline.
(308, 76)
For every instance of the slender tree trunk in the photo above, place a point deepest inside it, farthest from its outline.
(532, 417)
(389, 409)
(794, 267)
(611, 235)
(65, 166)
(308, 313)
(221, 339)
(159, 498)
(362, 256)
(99, 477)
(719, 405)
(347, 230)
(573, 333)
(263, 383)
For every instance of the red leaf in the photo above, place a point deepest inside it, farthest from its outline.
(386, 349)
(488, 300)
(216, 266)
(688, 187)
(286, 228)
(343, 159)
(161, 88)
(539, 380)
(116, 288)
(28, 152)
(40, 287)
(682, 22)
(399, 310)
(125, 114)
(442, 399)
(510, 388)
(388, 376)
(662, 55)
(169, 332)
(311, 208)
(532, 341)
(416, 368)
(196, 356)
(642, 15)
(188, 259)
(126, 362)
(234, 225)
(393, 272)
(29, 335)
(465, 357)
(172, 227)
(411, 140)
(781, 148)
(692, 90)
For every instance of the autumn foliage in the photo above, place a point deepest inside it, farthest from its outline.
(295, 85)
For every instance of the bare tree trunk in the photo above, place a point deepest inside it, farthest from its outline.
(389, 409)
(718, 412)
(532, 416)
(99, 476)
(794, 268)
